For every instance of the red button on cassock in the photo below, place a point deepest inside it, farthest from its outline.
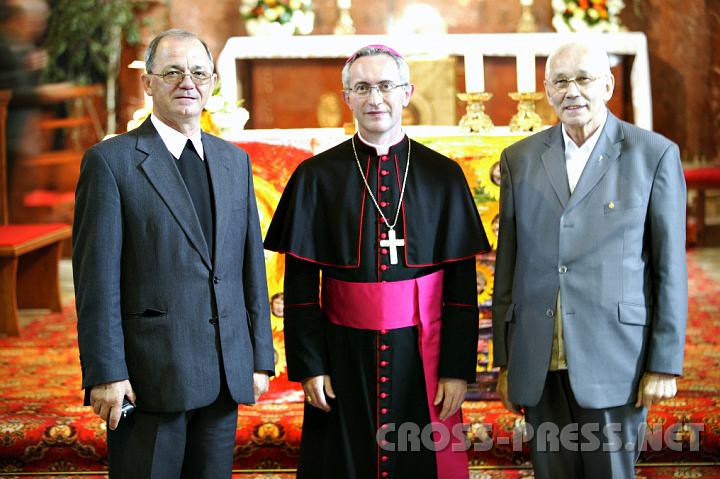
(384, 251)
(384, 158)
(383, 331)
(384, 458)
(384, 203)
(384, 267)
(384, 347)
(383, 235)
(384, 379)
(385, 474)
(383, 396)
(383, 364)
(384, 410)
(384, 188)
(384, 172)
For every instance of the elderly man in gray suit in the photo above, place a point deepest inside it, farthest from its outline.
(590, 299)
(170, 281)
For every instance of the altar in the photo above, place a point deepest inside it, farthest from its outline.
(294, 82)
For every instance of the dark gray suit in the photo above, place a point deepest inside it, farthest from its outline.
(153, 307)
(615, 249)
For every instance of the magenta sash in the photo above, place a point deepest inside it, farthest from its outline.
(398, 304)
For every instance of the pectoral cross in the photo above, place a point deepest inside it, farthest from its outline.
(392, 242)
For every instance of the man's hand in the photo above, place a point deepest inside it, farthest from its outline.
(502, 390)
(106, 400)
(317, 390)
(654, 387)
(451, 392)
(261, 382)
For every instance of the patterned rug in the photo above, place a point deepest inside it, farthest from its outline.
(45, 430)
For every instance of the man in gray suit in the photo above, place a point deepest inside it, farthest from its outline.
(590, 299)
(170, 279)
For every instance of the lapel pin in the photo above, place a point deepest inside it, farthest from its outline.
(611, 205)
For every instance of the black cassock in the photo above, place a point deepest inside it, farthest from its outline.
(326, 221)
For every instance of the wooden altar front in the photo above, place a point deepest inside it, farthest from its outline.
(295, 82)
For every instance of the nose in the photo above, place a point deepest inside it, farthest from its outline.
(375, 97)
(187, 83)
(572, 90)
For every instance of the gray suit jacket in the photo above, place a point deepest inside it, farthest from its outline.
(615, 249)
(145, 283)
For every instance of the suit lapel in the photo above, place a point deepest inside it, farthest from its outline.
(554, 162)
(605, 153)
(221, 181)
(160, 169)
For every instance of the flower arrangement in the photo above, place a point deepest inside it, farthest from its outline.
(587, 15)
(269, 17)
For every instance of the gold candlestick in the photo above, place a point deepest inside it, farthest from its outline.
(344, 25)
(527, 21)
(526, 119)
(475, 120)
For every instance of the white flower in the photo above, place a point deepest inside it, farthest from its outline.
(215, 103)
(592, 13)
(295, 4)
(271, 14)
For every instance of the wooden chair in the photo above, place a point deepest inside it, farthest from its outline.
(29, 254)
(700, 180)
(46, 190)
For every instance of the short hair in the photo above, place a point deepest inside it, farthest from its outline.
(173, 32)
(373, 50)
(593, 48)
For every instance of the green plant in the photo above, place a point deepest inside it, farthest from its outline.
(84, 38)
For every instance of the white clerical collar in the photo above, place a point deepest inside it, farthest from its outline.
(174, 140)
(589, 145)
(385, 147)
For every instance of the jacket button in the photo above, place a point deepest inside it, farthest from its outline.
(562, 269)
(216, 279)
(384, 379)
(549, 313)
(383, 364)
(384, 267)
(384, 347)
(384, 251)
(384, 410)
(213, 321)
(383, 395)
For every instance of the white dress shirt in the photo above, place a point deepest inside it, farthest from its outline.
(174, 140)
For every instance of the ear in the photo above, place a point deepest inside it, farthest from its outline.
(146, 79)
(609, 87)
(346, 98)
(407, 94)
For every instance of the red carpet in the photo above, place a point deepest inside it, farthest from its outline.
(45, 429)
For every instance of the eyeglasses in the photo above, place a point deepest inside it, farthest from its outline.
(582, 82)
(175, 77)
(384, 88)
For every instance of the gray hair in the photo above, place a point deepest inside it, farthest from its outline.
(593, 49)
(173, 32)
(374, 50)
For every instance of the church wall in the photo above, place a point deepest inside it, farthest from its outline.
(683, 41)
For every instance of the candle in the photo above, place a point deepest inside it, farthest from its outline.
(474, 73)
(525, 72)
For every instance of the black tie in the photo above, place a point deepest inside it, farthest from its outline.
(197, 180)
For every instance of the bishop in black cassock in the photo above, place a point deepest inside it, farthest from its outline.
(383, 375)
